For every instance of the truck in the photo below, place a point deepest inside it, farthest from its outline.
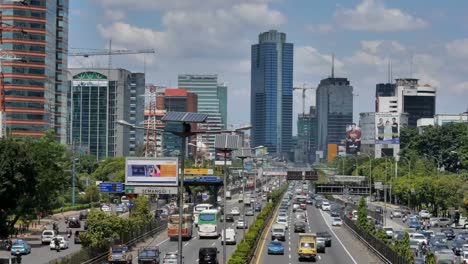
(148, 255)
(119, 254)
(228, 195)
(307, 246)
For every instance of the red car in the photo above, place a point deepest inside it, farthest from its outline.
(303, 206)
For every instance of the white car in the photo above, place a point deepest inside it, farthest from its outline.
(424, 214)
(62, 242)
(418, 237)
(235, 211)
(241, 224)
(47, 236)
(326, 206)
(264, 197)
(282, 220)
(295, 207)
(464, 257)
(337, 222)
(230, 236)
(106, 209)
(388, 231)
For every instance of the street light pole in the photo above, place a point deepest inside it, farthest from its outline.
(225, 207)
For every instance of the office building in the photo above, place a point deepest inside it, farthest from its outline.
(441, 120)
(418, 101)
(306, 137)
(272, 93)
(334, 111)
(97, 99)
(34, 86)
(383, 90)
(380, 138)
(211, 100)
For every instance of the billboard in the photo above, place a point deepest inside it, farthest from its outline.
(197, 171)
(151, 171)
(387, 128)
(332, 152)
(353, 139)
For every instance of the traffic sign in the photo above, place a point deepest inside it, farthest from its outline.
(205, 196)
(111, 187)
(150, 190)
(130, 205)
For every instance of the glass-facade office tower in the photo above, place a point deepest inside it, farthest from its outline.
(272, 92)
(97, 99)
(334, 111)
(212, 100)
(35, 86)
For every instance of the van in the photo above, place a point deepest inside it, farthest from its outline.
(208, 255)
(278, 231)
(47, 236)
(124, 200)
(230, 236)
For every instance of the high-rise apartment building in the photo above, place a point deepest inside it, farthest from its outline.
(418, 101)
(34, 87)
(334, 111)
(272, 92)
(97, 99)
(212, 100)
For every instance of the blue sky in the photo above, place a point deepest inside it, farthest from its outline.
(214, 37)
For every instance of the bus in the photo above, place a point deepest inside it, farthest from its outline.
(208, 221)
(198, 209)
(301, 199)
(173, 226)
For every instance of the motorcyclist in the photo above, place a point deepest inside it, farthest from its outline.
(404, 218)
(69, 232)
(57, 244)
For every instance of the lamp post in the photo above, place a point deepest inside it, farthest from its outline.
(370, 172)
(242, 156)
(438, 163)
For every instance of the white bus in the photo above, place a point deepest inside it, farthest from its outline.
(198, 209)
(208, 221)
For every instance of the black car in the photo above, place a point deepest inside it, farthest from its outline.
(74, 222)
(449, 233)
(299, 227)
(83, 215)
(229, 218)
(208, 255)
(457, 246)
(326, 236)
(335, 213)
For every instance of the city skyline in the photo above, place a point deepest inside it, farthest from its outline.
(363, 45)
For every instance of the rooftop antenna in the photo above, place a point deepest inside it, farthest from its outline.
(411, 66)
(388, 71)
(333, 66)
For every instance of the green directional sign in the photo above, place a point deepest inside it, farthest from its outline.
(129, 189)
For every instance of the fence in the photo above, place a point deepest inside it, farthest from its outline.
(88, 256)
(382, 250)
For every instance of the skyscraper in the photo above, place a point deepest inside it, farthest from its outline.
(97, 99)
(212, 99)
(272, 92)
(334, 111)
(35, 86)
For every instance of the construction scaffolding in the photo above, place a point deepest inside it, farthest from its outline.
(154, 111)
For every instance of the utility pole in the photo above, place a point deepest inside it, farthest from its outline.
(73, 173)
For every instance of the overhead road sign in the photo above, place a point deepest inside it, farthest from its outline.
(150, 190)
(203, 179)
(296, 175)
(346, 178)
(111, 187)
(342, 189)
(151, 171)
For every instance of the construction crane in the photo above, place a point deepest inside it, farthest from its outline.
(304, 89)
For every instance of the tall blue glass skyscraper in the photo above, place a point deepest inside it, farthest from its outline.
(272, 92)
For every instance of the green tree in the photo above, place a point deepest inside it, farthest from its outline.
(111, 169)
(403, 248)
(430, 258)
(362, 221)
(92, 194)
(103, 229)
(140, 213)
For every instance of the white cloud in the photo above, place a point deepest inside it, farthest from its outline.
(319, 28)
(114, 15)
(458, 47)
(309, 62)
(372, 15)
(174, 4)
(461, 87)
(364, 58)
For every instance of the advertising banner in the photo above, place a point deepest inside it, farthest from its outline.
(387, 128)
(192, 171)
(353, 139)
(332, 152)
(151, 171)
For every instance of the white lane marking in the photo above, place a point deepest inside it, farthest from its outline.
(319, 257)
(289, 248)
(186, 244)
(162, 242)
(198, 260)
(213, 244)
(339, 240)
(289, 255)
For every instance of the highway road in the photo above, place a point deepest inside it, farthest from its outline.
(191, 247)
(344, 249)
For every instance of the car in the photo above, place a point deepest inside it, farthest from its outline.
(414, 224)
(208, 255)
(444, 222)
(419, 260)
(337, 221)
(439, 236)
(300, 227)
(321, 245)
(418, 237)
(249, 212)
(437, 246)
(229, 218)
(170, 258)
(445, 256)
(303, 206)
(74, 222)
(309, 201)
(464, 257)
(457, 246)
(264, 197)
(295, 207)
(301, 217)
(278, 232)
(433, 221)
(120, 209)
(230, 236)
(106, 209)
(47, 236)
(258, 207)
(76, 238)
(275, 248)
(83, 215)
(449, 232)
(62, 243)
(326, 236)
(235, 211)
(148, 255)
(415, 247)
(20, 247)
(396, 214)
(282, 220)
(335, 213)
(241, 224)
(325, 206)
(424, 214)
(388, 231)
(379, 210)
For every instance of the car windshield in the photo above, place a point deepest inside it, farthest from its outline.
(207, 217)
(300, 224)
(278, 230)
(48, 233)
(149, 253)
(275, 244)
(119, 249)
(336, 219)
(307, 245)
